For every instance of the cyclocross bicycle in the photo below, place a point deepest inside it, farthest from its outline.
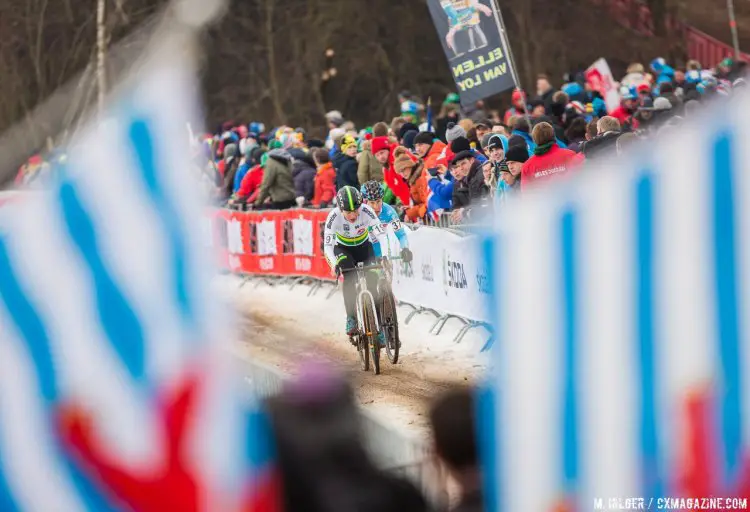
(368, 323)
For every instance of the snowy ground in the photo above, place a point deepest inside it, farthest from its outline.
(284, 328)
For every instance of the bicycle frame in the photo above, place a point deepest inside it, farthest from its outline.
(365, 294)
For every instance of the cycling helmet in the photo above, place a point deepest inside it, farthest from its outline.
(372, 191)
(348, 199)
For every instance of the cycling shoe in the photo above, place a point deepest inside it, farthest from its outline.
(351, 325)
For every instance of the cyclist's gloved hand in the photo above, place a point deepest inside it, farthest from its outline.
(337, 271)
(406, 255)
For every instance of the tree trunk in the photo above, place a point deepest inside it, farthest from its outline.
(101, 54)
(658, 16)
(271, 53)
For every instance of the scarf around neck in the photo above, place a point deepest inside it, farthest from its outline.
(543, 148)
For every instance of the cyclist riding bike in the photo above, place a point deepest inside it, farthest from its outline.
(372, 193)
(352, 236)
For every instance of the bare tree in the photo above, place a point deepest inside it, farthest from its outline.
(101, 53)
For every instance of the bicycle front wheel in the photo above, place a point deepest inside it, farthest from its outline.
(389, 322)
(371, 333)
(363, 349)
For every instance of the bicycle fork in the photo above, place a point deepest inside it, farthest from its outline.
(366, 295)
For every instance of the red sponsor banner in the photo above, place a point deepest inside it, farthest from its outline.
(284, 243)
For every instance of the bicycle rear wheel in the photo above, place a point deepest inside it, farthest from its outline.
(371, 333)
(389, 323)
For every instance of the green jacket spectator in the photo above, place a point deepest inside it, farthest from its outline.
(277, 181)
(369, 168)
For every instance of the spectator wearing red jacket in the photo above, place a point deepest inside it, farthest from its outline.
(413, 172)
(325, 179)
(428, 148)
(628, 106)
(250, 185)
(549, 159)
(518, 108)
(383, 151)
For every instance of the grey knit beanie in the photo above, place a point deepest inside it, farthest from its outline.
(453, 132)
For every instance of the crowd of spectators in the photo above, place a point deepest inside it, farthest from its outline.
(465, 162)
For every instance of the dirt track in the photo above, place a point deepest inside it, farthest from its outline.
(402, 392)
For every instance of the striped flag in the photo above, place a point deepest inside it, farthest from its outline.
(623, 355)
(112, 393)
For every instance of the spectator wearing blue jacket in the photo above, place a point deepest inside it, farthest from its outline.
(252, 158)
(522, 128)
(441, 193)
(346, 172)
(663, 71)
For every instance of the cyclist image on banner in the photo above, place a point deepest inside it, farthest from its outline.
(352, 235)
(372, 193)
(465, 15)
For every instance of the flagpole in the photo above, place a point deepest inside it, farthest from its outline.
(733, 28)
(498, 15)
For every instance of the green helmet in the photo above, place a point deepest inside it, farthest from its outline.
(452, 98)
(348, 199)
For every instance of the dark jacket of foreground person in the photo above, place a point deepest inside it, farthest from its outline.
(323, 461)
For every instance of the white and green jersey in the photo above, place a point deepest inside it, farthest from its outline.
(339, 231)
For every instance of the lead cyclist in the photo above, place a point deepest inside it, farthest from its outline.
(352, 235)
(372, 193)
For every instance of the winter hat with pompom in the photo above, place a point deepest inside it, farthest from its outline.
(402, 159)
(453, 132)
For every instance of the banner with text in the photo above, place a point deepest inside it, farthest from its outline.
(474, 48)
(447, 274)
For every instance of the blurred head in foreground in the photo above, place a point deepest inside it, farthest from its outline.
(454, 434)
(322, 456)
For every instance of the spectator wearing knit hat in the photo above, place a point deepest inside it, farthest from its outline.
(518, 106)
(494, 146)
(408, 139)
(462, 144)
(450, 112)
(406, 128)
(334, 119)
(453, 132)
(428, 148)
(396, 186)
(515, 157)
(411, 169)
(469, 189)
(346, 174)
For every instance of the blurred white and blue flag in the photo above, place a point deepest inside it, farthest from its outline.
(111, 395)
(622, 368)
